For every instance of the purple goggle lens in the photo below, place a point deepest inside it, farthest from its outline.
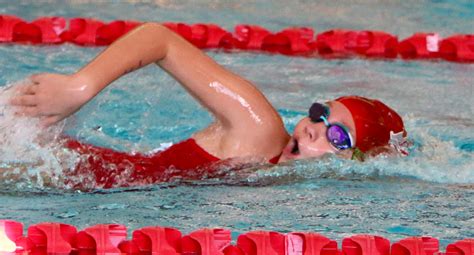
(337, 134)
(339, 137)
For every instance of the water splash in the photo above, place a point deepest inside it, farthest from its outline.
(435, 157)
(29, 155)
(431, 160)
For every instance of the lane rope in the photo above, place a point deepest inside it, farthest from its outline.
(60, 238)
(294, 41)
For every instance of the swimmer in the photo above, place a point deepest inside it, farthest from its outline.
(246, 125)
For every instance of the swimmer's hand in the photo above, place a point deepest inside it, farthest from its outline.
(52, 97)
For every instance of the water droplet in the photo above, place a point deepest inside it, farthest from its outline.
(68, 214)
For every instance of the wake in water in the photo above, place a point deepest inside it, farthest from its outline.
(431, 159)
(33, 157)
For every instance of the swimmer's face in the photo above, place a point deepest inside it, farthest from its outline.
(309, 139)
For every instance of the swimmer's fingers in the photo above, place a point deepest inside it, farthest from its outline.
(27, 89)
(38, 79)
(24, 100)
(25, 96)
(27, 111)
(32, 87)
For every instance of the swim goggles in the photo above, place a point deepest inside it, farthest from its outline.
(337, 134)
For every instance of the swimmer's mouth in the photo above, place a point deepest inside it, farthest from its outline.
(295, 150)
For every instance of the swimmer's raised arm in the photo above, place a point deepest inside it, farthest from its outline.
(54, 97)
(246, 121)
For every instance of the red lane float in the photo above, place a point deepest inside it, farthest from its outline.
(82, 31)
(59, 238)
(206, 242)
(416, 246)
(262, 243)
(458, 48)
(420, 45)
(365, 244)
(463, 247)
(7, 25)
(10, 234)
(108, 33)
(52, 237)
(366, 43)
(158, 240)
(88, 32)
(310, 244)
(291, 41)
(210, 36)
(250, 37)
(102, 238)
(44, 30)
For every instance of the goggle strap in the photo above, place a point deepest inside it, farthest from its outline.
(326, 122)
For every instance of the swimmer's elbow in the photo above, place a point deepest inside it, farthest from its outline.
(160, 32)
(162, 37)
(154, 27)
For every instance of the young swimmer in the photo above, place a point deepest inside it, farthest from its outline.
(246, 125)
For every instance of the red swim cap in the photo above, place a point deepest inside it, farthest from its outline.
(374, 122)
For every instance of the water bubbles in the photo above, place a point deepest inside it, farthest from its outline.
(112, 206)
(28, 151)
(67, 214)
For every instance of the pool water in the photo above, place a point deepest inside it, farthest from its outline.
(430, 192)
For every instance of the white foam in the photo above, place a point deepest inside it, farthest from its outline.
(26, 150)
(433, 161)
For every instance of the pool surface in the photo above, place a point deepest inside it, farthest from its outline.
(430, 192)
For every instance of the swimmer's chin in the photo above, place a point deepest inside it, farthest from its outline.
(288, 156)
(291, 157)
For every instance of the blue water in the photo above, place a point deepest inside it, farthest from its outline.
(429, 192)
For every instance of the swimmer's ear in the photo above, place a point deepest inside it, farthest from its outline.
(357, 154)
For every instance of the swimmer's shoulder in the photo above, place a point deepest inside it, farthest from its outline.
(224, 143)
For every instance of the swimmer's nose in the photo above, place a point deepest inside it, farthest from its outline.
(313, 131)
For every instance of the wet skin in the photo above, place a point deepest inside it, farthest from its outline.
(246, 124)
(309, 139)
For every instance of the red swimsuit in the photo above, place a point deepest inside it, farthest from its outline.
(111, 168)
(106, 168)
